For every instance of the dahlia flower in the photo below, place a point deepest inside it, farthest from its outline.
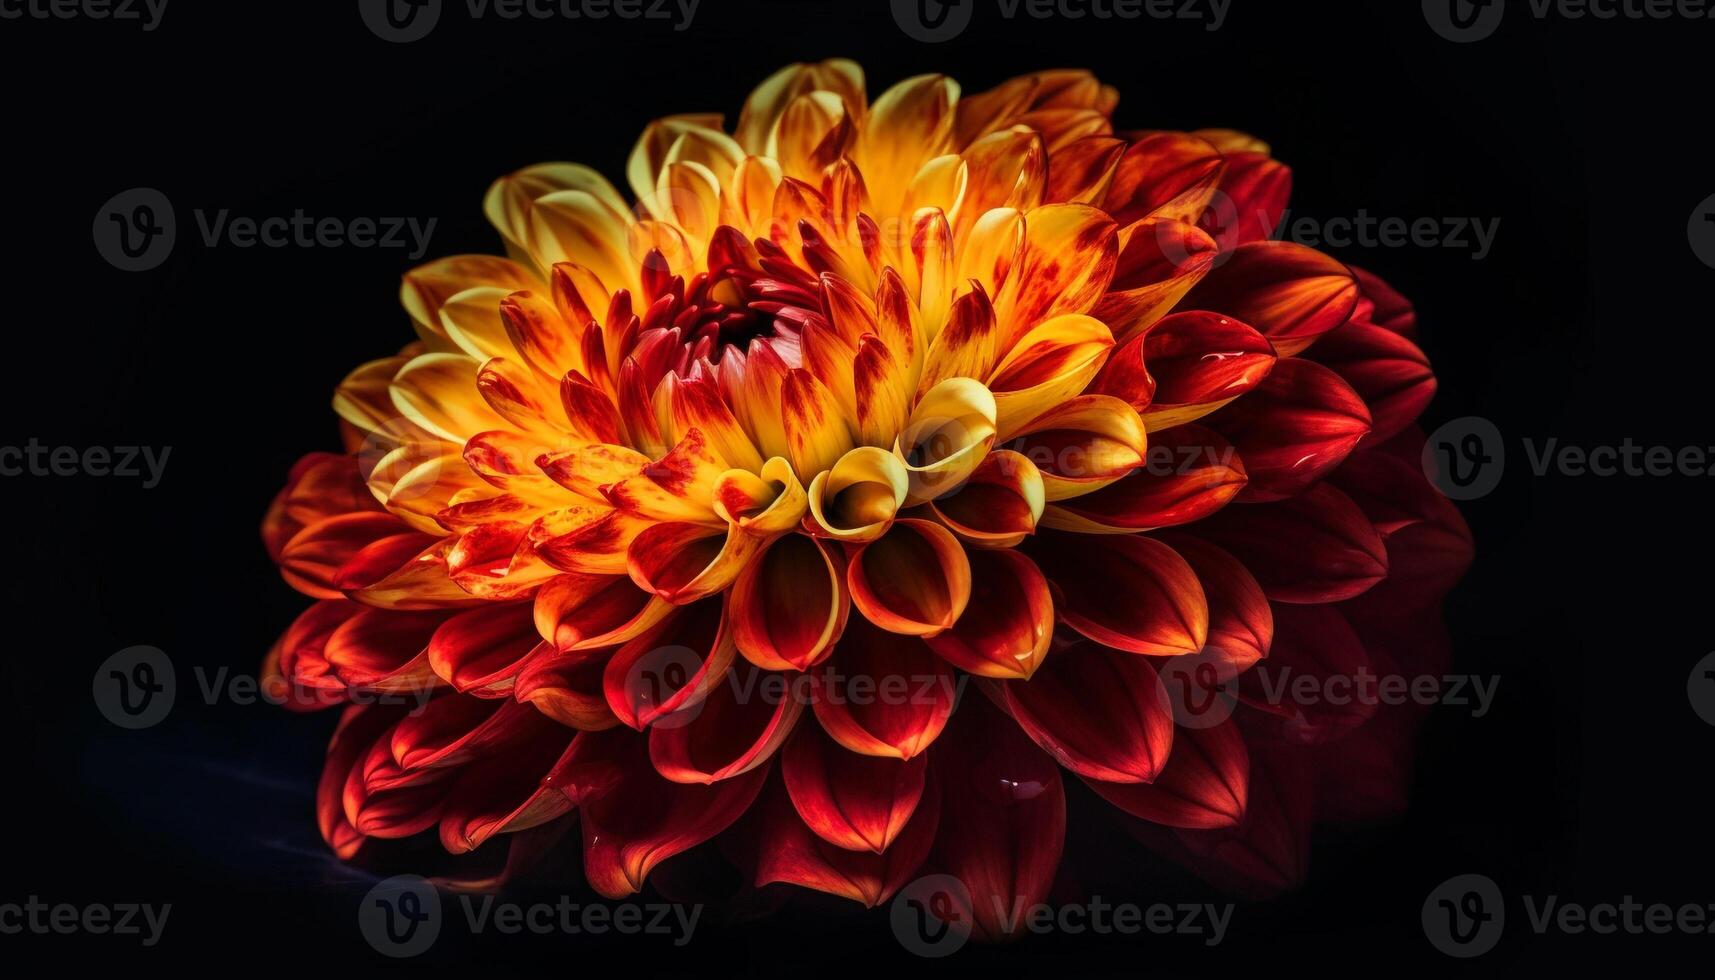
(924, 396)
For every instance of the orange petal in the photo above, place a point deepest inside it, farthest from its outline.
(1009, 635)
(915, 580)
(789, 606)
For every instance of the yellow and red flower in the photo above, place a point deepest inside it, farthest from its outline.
(911, 393)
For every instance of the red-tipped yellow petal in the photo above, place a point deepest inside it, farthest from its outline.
(428, 287)
(915, 580)
(1049, 364)
(435, 390)
(1083, 445)
(1131, 593)
(767, 504)
(949, 433)
(685, 562)
(1159, 261)
(909, 125)
(1191, 473)
(679, 486)
(856, 500)
(998, 506)
(1068, 259)
(1101, 713)
(789, 606)
(883, 695)
(1291, 294)
(1011, 636)
(967, 346)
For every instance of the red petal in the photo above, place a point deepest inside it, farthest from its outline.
(856, 802)
(1299, 424)
(1388, 371)
(883, 694)
(1205, 786)
(480, 652)
(1315, 680)
(735, 729)
(1316, 547)
(793, 854)
(788, 608)
(1101, 713)
(670, 667)
(1012, 623)
(1192, 472)
(1291, 294)
(914, 580)
(1130, 593)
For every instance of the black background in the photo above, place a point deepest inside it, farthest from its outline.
(1589, 322)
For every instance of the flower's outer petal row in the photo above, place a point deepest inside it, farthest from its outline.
(794, 853)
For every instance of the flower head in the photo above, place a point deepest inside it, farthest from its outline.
(713, 503)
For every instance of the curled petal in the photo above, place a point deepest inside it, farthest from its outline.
(1012, 625)
(566, 688)
(949, 433)
(1316, 547)
(1130, 593)
(359, 728)
(789, 606)
(670, 667)
(1101, 713)
(1191, 473)
(1291, 294)
(767, 504)
(584, 612)
(883, 695)
(999, 505)
(1299, 423)
(856, 500)
(915, 580)
(1205, 785)
(685, 562)
(729, 733)
(1083, 445)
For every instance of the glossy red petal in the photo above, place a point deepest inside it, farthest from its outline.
(856, 802)
(884, 694)
(1316, 547)
(1101, 713)
(1130, 593)
(1205, 785)
(1299, 423)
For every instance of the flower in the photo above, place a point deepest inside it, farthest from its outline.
(697, 516)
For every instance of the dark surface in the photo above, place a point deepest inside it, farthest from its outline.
(1589, 321)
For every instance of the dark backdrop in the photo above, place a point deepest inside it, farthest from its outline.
(1588, 322)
